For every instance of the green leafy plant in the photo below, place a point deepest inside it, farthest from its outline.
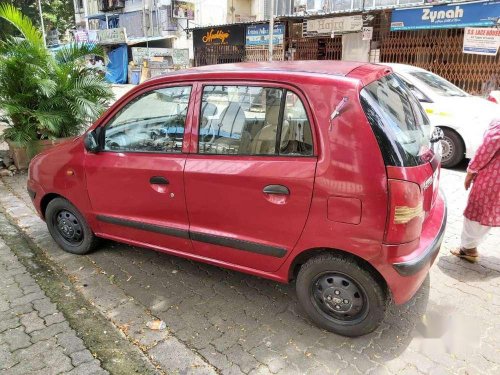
(45, 95)
(58, 14)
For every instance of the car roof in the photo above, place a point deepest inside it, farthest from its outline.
(403, 67)
(338, 68)
(361, 71)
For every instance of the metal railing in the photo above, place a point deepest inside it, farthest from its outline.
(110, 5)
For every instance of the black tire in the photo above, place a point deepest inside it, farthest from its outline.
(453, 149)
(354, 290)
(68, 227)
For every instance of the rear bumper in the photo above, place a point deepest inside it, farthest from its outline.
(413, 266)
(405, 274)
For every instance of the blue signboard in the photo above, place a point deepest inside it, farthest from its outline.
(258, 35)
(454, 15)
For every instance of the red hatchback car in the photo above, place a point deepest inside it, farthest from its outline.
(319, 172)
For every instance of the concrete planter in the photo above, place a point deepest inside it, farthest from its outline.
(22, 154)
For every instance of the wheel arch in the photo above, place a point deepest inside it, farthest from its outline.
(46, 199)
(304, 256)
(449, 128)
(454, 131)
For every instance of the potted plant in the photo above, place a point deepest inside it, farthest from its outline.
(45, 97)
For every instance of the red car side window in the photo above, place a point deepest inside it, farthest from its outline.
(152, 122)
(249, 120)
(296, 136)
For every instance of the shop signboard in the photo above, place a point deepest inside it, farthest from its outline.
(81, 36)
(453, 15)
(334, 25)
(223, 35)
(139, 53)
(112, 36)
(258, 35)
(180, 56)
(481, 41)
(183, 9)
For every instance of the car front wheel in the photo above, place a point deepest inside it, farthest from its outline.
(339, 295)
(453, 149)
(68, 227)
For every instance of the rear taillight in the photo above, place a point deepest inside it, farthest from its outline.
(491, 98)
(406, 212)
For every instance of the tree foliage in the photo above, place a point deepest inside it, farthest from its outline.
(43, 95)
(57, 14)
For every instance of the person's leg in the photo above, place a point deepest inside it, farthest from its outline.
(473, 234)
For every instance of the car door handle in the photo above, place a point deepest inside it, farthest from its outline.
(276, 189)
(158, 180)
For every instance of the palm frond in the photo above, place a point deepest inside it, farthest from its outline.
(47, 86)
(49, 121)
(11, 14)
(22, 134)
(74, 51)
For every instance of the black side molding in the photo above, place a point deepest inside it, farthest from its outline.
(174, 232)
(252, 247)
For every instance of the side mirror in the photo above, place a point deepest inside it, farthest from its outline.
(91, 142)
(437, 135)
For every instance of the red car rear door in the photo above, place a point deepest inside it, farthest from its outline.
(248, 195)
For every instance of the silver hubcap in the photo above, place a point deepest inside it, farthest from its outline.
(448, 148)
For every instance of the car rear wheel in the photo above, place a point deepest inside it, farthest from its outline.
(453, 149)
(339, 295)
(68, 227)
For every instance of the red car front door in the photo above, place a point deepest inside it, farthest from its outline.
(248, 195)
(135, 183)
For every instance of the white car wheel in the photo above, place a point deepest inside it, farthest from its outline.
(452, 148)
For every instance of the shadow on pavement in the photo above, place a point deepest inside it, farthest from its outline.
(486, 268)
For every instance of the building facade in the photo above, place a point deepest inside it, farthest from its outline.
(366, 30)
(415, 32)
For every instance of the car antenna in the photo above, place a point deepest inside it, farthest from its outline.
(338, 110)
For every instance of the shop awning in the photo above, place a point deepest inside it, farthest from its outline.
(133, 41)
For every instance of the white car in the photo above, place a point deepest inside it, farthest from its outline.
(463, 118)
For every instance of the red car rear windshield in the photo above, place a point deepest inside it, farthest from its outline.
(398, 120)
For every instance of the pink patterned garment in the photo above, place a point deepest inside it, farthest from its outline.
(483, 205)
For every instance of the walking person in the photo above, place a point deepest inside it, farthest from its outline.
(483, 206)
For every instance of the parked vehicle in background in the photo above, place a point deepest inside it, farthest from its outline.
(322, 172)
(463, 118)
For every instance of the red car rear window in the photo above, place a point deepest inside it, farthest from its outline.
(400, 124)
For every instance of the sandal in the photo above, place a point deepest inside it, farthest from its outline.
(464, 255)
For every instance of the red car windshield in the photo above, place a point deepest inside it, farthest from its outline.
(399, 122)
